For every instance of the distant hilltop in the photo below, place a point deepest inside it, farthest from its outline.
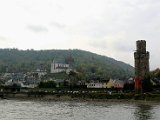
(90, 64)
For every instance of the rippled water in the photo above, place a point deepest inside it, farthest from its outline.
(40, 110)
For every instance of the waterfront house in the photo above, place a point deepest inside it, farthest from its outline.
(94, 84)
(110, 84)
(97, 84)
(119, 84)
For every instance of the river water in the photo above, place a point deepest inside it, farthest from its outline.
(41, 110)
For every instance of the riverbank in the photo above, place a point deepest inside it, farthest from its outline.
(99, 97)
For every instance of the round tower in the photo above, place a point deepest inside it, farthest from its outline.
(141, 57)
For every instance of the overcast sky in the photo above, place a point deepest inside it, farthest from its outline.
(105, 27)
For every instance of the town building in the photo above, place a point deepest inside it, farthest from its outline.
(118, 84)
(97, 84)
(94, 84)
(59, 67)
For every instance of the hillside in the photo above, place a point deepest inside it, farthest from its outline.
(90, 64)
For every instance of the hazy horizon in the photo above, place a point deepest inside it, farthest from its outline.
(105, 27)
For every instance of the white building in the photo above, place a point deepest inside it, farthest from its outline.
(94, 84)
(59, 67)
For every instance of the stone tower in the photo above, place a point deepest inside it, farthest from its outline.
(141, 59)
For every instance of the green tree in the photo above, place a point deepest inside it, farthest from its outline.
(48, 84)
(146, 84)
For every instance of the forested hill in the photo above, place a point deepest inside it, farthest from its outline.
(14, 60)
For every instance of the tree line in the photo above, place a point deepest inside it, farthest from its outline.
(88, 64)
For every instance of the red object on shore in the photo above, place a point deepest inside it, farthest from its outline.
(138, 83)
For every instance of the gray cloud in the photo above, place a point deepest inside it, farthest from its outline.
(57, 25)
(37, 28)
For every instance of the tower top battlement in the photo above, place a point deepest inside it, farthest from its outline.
(141, 46)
